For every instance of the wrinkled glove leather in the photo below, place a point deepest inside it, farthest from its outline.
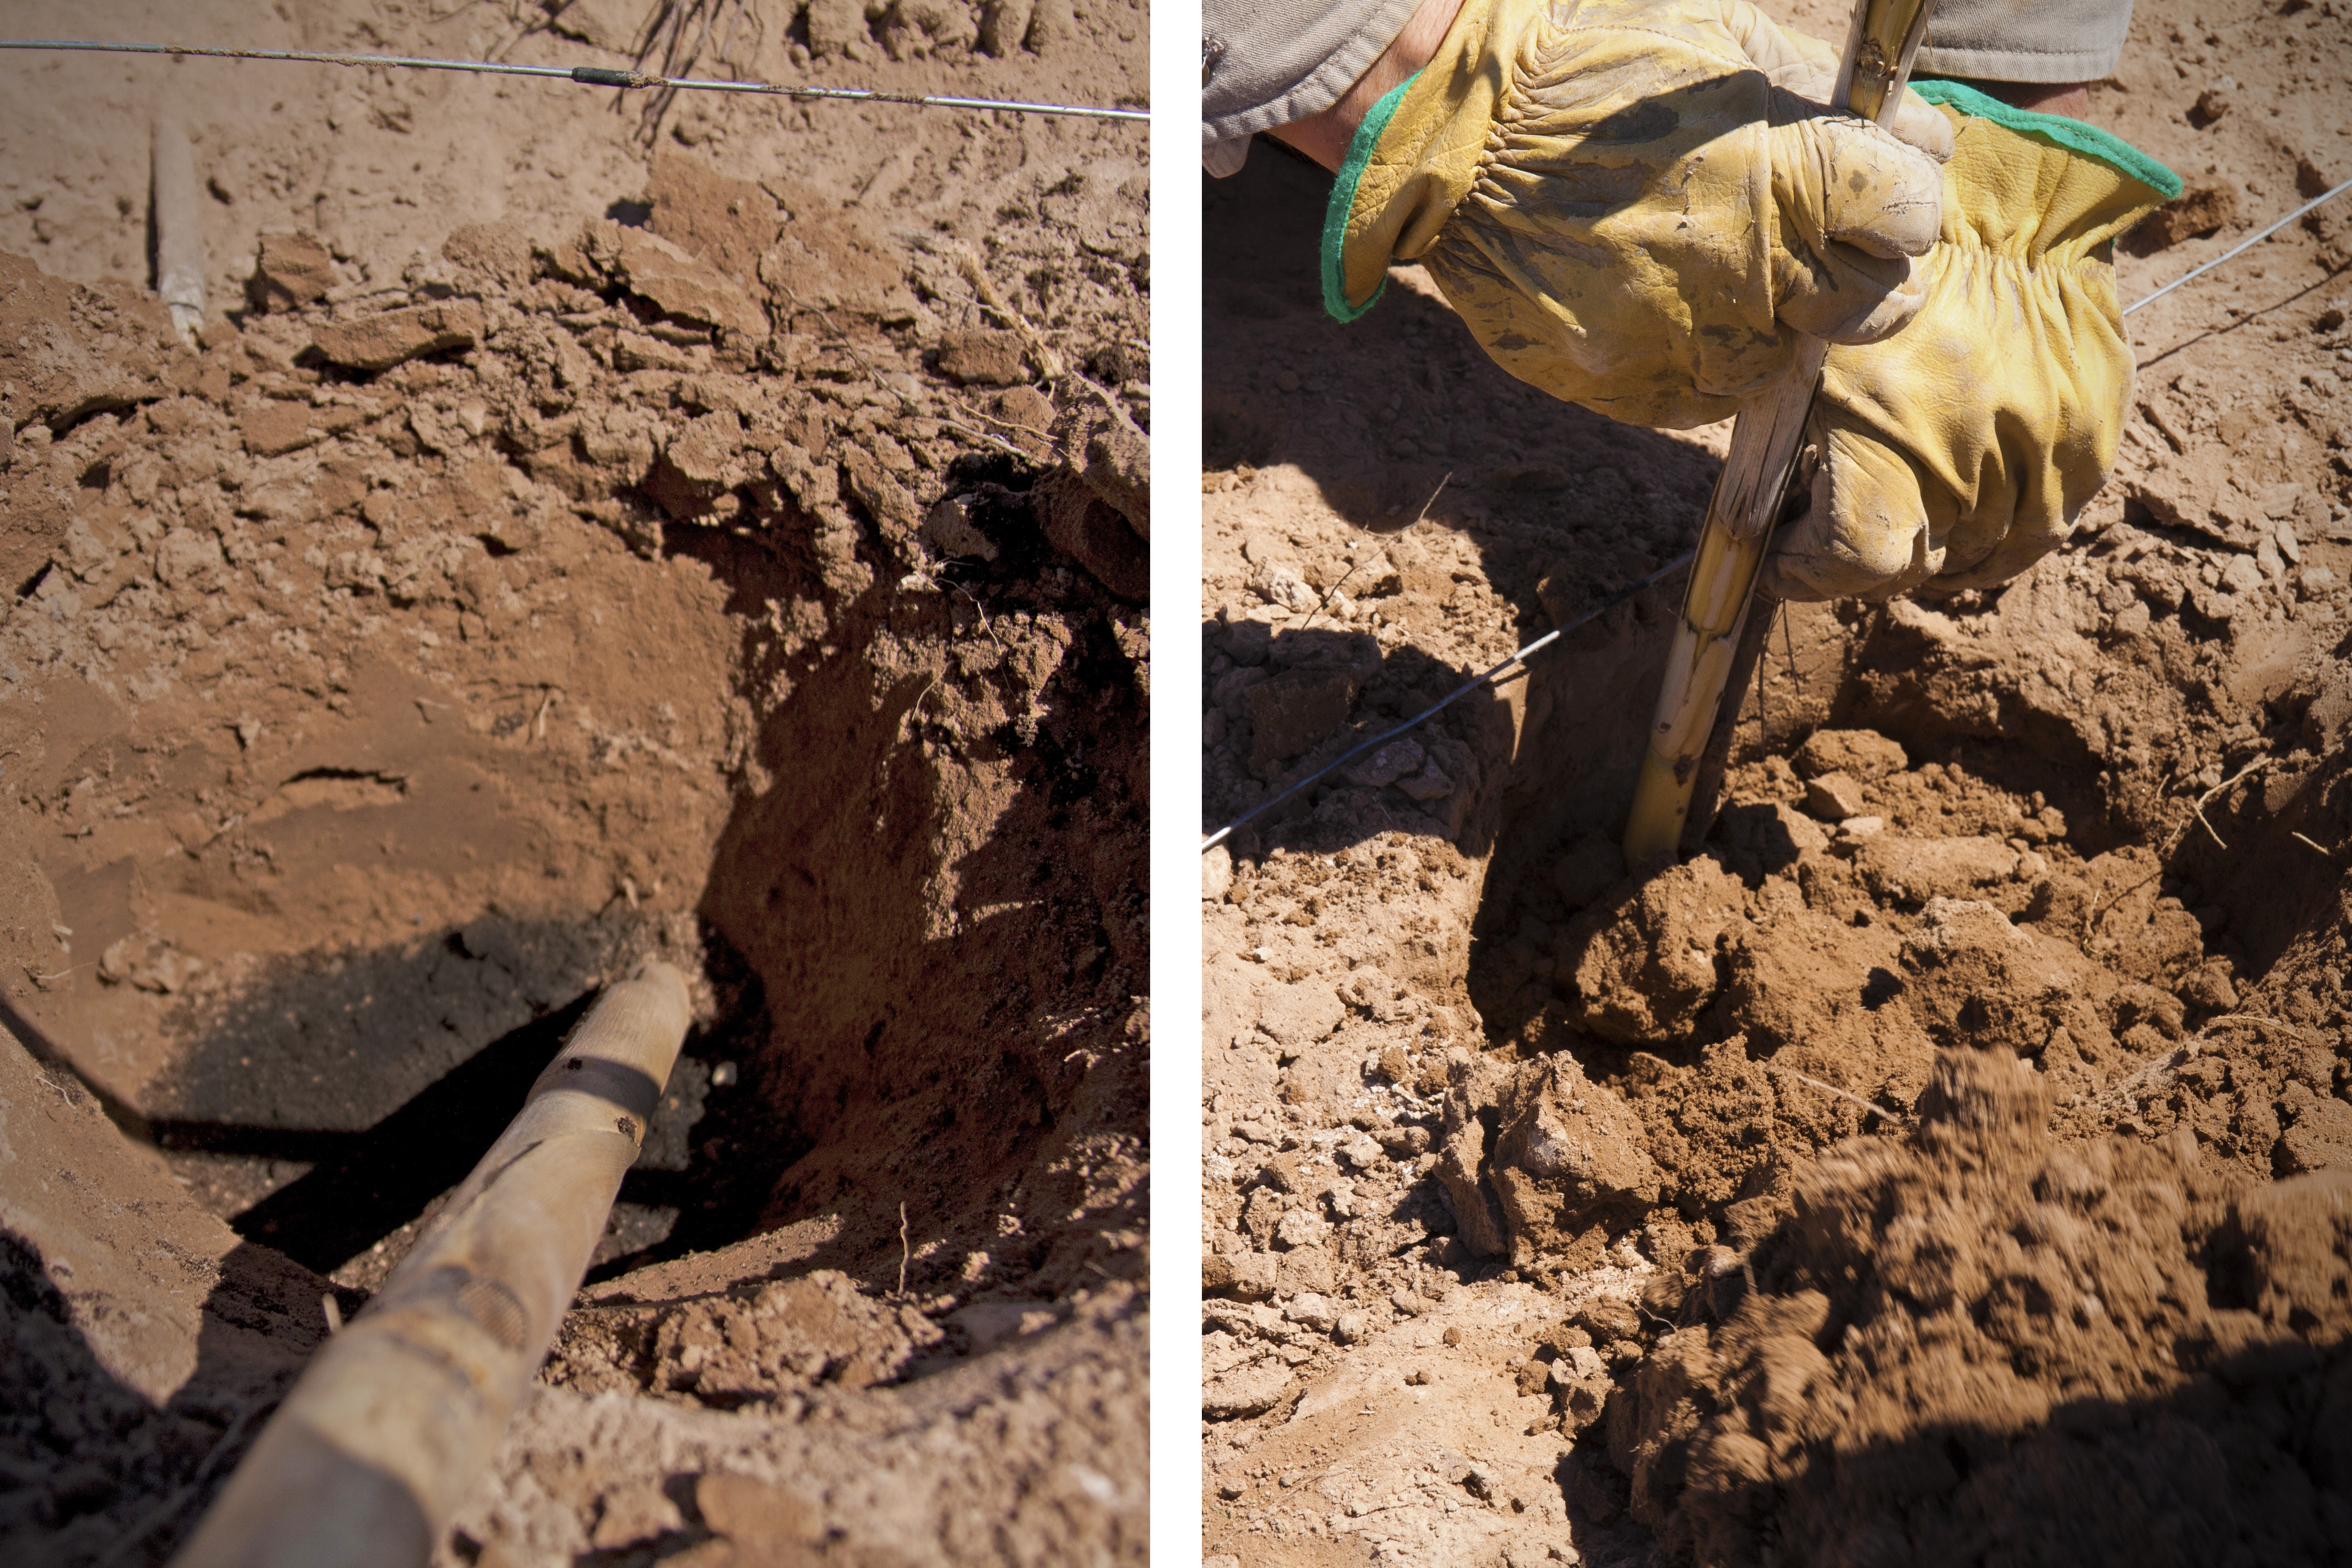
(1633, 205)
(1960, 452)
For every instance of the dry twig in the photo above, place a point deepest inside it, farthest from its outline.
(909, 405)
(1049, 362)
(2197, 813)
(1879, 1111)
(2258, 1021)
(1358, 566)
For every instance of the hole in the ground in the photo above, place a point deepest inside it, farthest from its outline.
(324, 1097)
(337, 867)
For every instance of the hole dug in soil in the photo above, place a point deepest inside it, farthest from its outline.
(397, 668)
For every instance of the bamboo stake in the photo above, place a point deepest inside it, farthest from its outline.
(1747, 653)
(398, 1415)
(1881, 43)
(179, 229)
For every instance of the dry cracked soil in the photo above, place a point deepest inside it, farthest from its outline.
(1952, 1163)
(583, 529)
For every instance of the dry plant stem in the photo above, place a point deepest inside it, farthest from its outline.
(2152, 1070)
(1877, 1110)
(1881, 43)
(2196, 812)
(2257, 1020)
(676, 19)
(2172, 842)
(1049, 363)
(398, 1415)
(2149, 1073)
(909, 405)
(179, 229)
(1418, 517)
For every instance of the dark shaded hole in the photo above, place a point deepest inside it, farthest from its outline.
(351, 775)
(993, 488)
(1883, 985)
(365, 1186)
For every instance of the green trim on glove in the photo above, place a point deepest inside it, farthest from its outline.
(1343, 202)
(2071, 134)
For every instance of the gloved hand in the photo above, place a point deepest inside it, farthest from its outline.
(1959, 451)
(1633, 202)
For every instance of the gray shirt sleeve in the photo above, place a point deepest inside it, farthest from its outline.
(2025, 40)
(1266, 63)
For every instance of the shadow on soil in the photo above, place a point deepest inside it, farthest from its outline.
(92, 1472)
(1563, 507)
(856, 1025)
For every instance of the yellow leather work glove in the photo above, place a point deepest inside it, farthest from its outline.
(1631, 203)
(1958, 452)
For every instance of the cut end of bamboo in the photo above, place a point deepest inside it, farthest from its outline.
(179, 229)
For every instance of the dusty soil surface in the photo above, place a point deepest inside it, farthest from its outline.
(1945, 1166)
(576, 535)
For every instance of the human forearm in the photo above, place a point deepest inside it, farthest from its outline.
(1325, 137)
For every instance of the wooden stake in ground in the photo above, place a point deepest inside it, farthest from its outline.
(1881, 43)
(179, 229)
(398, 1415)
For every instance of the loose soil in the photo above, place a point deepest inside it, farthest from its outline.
(577, 535)
(1950, 1163)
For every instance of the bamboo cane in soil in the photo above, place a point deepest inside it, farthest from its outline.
(178, 213)
(394, 1422)
(1881, 43)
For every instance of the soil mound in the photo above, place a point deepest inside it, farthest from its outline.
(1983, 1343)
(1791, 988)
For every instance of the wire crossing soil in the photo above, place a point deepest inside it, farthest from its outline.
(566, 544)
(1946, 1166)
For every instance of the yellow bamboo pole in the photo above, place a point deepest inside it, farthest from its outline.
(1881, 43)
(394, 1422)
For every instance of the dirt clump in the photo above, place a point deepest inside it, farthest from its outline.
(1560, 1170)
